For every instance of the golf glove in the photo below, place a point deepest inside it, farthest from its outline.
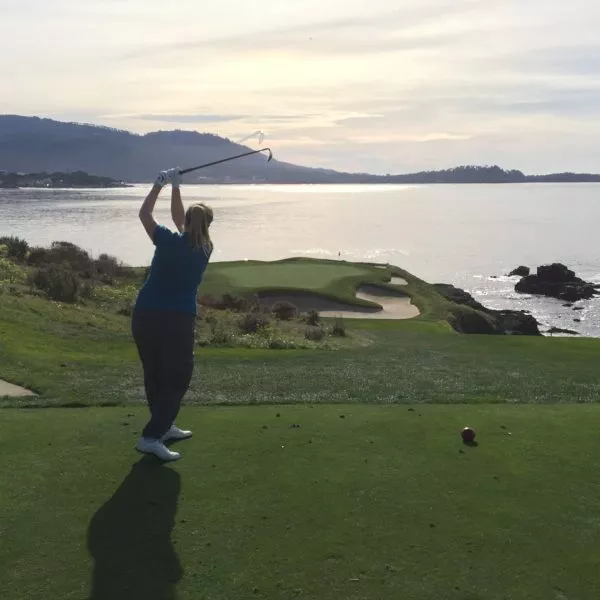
(172, 176)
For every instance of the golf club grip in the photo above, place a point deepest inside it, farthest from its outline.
(218, 162)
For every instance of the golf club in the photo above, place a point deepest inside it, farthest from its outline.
(260, 134)
(218, 162)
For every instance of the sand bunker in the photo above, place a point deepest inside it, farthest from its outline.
(398, 281)
(394, 305)
(13, 391)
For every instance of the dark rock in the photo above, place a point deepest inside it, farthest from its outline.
(520, 272)
(472, 321)
(556, 281)
(476, 318)
(516, 322)
(578, 308)
(560, 330)
(457, 295)
(568, 305)
(557, 273)
(577, 320)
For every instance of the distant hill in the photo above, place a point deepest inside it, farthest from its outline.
(77, 180)
(35, 145)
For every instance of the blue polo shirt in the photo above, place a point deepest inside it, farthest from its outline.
(175, 274)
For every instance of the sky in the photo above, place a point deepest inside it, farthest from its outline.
(382, 86)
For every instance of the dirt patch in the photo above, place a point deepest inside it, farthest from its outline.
(391, 305)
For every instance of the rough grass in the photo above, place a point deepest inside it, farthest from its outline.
(383, 503)
(79, 355)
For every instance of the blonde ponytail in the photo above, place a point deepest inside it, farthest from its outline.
(198, 218)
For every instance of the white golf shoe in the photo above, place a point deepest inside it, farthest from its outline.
(176, 434)
(156, 447)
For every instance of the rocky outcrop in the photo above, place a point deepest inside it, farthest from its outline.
(520, 272)
(553, 330)
(473, 317)
(556, 281)
(459, 296)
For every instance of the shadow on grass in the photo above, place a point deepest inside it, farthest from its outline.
(129, 537)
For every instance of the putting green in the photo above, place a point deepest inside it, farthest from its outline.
(312, 276)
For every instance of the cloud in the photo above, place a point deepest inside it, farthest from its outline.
(194, 118)
(388, 31)
(381, 85)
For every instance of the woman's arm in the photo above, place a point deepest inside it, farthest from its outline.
(146, 216)
(177, 210)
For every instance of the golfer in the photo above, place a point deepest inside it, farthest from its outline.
(163, 320)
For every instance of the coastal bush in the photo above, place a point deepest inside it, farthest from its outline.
(108, 268)
(338, 329)
(253, 322)
(63, 253)
(234, 302)
(10, 272)
(38, 256)
(57, 282)
(314, 333)
(277, 343)
(16, 248)
(284, 311)
(74, 256)
(312, 317)
(220, 335)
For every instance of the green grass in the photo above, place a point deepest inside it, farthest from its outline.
(78, 355)
(289, 274)
(384, 503)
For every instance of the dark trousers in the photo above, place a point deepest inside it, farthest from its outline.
(165, 343)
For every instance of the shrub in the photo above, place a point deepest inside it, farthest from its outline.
(10, 272)
(127, 309)
(338, 329)
(77, 258)
(284, 311)
(253, 322)
(57, 282)
(233, 302)
(229, 302)
(38, 256)
(87, 289)
(279, 344)
(15, 247)
(108, 267)
(64, 253)
(314, 333)
(312, 317)
(219, 334)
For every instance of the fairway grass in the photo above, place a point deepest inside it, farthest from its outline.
(312, 474)
(358, 502)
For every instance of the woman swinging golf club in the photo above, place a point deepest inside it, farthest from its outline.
(163, 321)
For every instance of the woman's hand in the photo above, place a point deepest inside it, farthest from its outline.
(172, 176)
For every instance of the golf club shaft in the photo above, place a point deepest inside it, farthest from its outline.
(218, 162)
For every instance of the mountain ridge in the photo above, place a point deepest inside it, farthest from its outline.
(37, 144)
